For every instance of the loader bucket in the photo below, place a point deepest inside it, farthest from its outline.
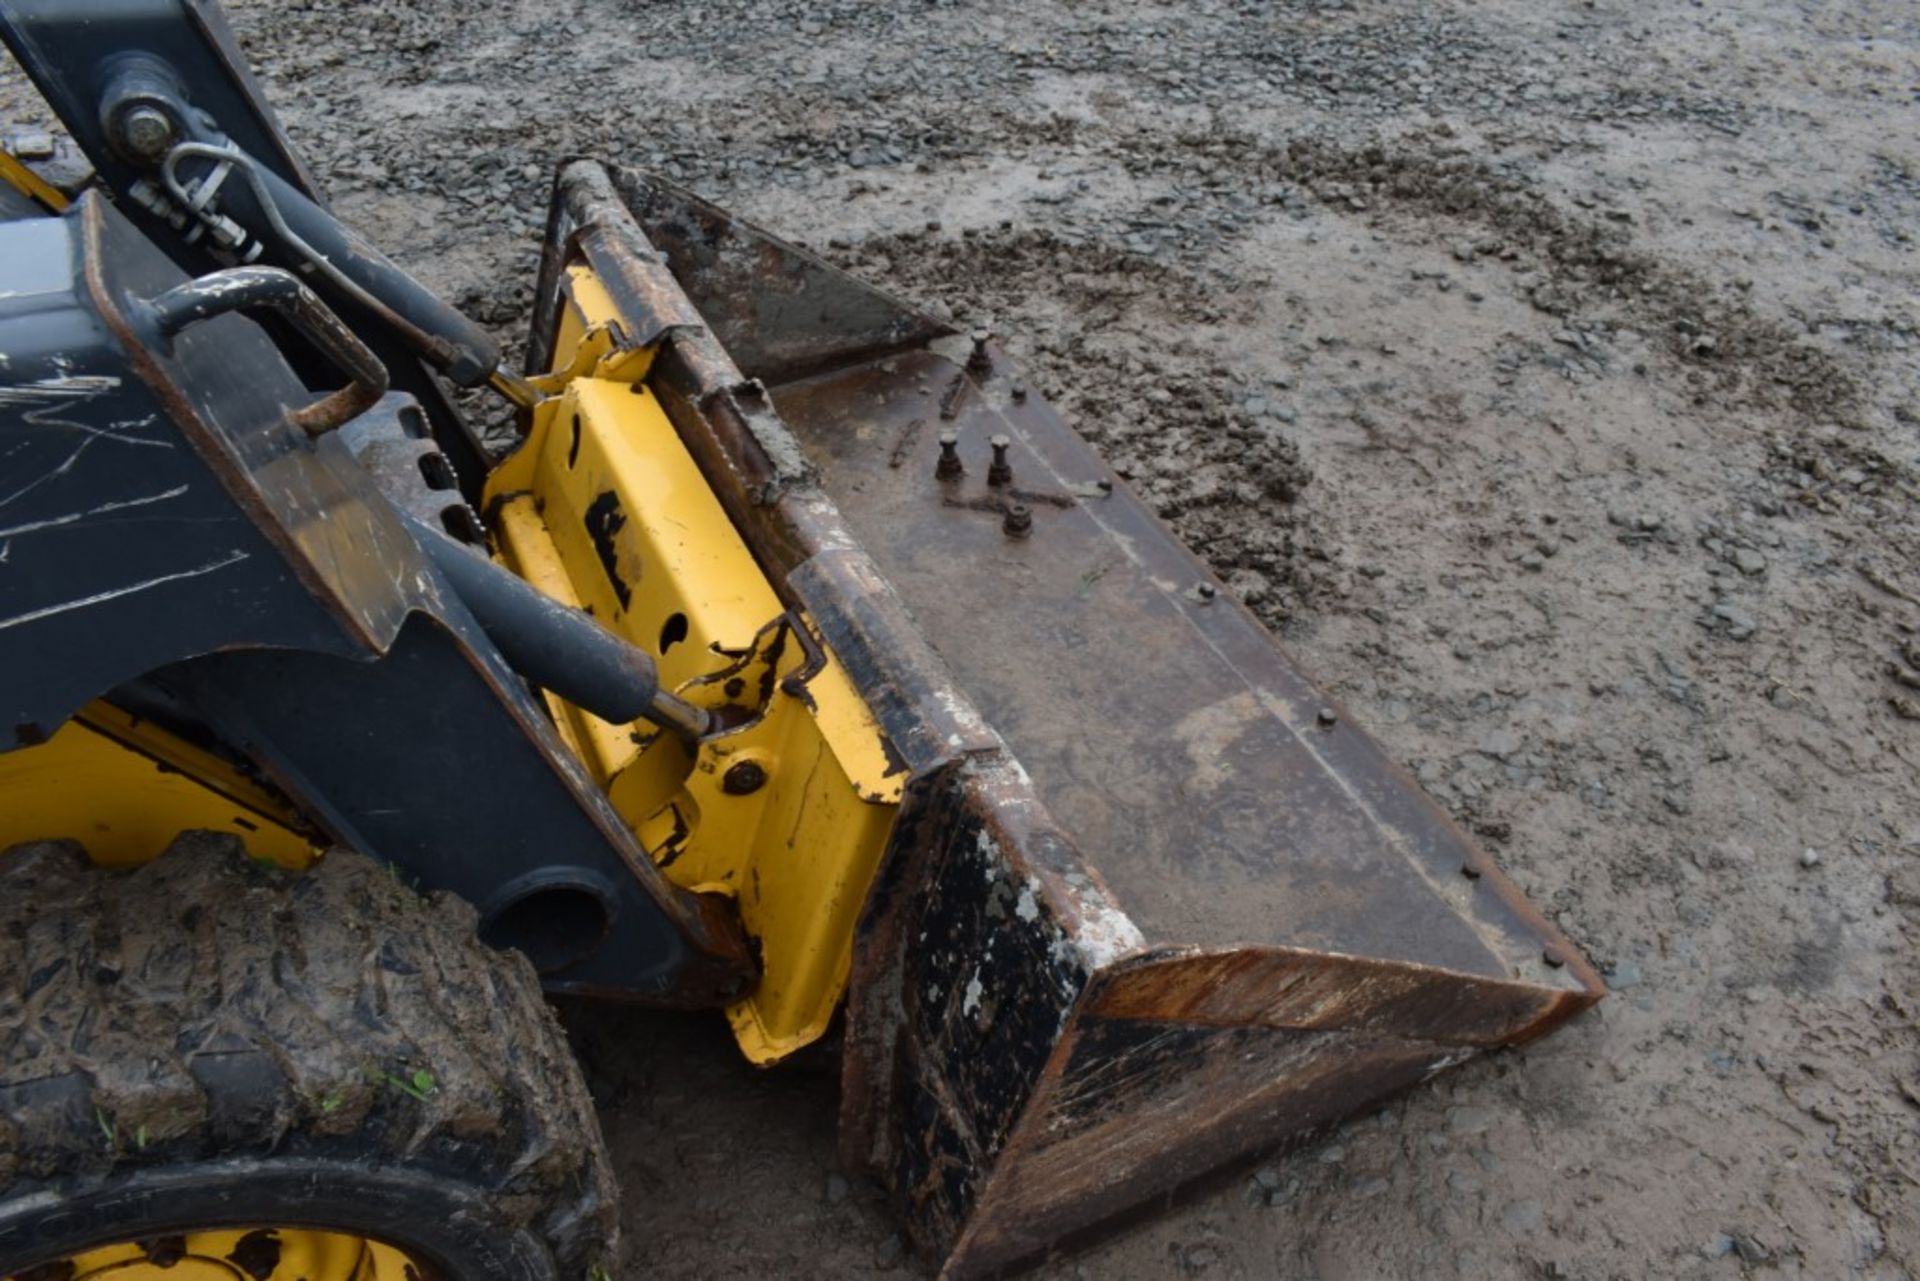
(1153, 902)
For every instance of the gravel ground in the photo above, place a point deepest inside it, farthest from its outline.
(1544, 372)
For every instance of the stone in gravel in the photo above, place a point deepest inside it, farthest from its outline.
(1750, 1249)
(1522, 1218)
(1372, 1185)
(1267, 1178)
(1500, 744)
(1748, 561)
(1472, 1263)
(890, 1252)
(1468, 1119)
(1737, 623)
(1809, 858)
(1719, 1246)
(30, 144)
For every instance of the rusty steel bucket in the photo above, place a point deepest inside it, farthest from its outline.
(1154, 902)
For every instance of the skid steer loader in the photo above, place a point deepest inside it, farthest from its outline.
(797, 661)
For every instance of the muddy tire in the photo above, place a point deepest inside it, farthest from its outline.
(206, 1041)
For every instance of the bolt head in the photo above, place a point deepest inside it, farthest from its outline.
(743, 778)
(146, 131)
(982, 360)
(949, 465)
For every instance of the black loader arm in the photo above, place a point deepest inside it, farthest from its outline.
(158, 96)
(183, 524)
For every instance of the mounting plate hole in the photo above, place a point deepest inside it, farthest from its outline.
(462, 524)
(438, 472)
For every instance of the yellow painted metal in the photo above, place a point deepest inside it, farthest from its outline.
(598, 478)
(603, 507)
(812, 838)
(586, 338)
(124, 788)
(22, 179)
(236, 1254)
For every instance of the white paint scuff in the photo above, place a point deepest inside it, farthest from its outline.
(34, 616)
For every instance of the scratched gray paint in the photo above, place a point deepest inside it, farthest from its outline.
(166, 529)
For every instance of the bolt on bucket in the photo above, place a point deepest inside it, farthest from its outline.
(1152, 903)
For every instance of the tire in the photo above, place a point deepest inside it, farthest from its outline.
(209, 1042)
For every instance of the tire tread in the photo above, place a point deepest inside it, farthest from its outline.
(204, 1005)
